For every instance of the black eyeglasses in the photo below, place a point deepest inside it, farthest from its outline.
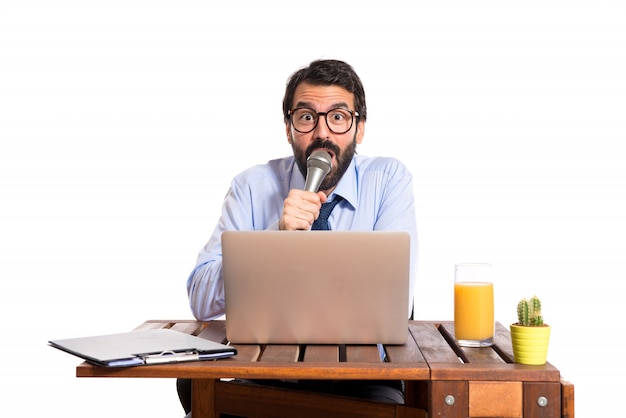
(339, 120)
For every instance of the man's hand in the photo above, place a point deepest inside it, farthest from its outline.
(300, 210)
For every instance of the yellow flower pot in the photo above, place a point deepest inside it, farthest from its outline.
(530, 344)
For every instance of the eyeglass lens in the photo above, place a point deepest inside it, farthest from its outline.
(338, 121)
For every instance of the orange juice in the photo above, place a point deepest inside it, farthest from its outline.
(473, 313)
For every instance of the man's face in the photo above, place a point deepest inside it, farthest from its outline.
(341, 147)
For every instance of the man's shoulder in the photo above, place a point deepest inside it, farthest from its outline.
(389, 164)
(277, 169)
(284, 164)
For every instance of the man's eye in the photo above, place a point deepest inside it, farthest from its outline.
(338, 116)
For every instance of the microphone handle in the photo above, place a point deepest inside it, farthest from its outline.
(314, 177)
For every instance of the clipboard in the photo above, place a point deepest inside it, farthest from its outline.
(143, 347)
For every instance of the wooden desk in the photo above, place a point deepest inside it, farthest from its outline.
(442, 378)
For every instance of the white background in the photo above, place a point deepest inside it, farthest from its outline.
(122, 123)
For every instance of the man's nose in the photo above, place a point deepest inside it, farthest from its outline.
(321, 130)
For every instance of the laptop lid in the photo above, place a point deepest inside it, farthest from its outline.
(316, 287)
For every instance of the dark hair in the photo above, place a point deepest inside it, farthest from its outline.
(327, 73)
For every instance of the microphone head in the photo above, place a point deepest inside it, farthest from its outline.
(318, 165)
(320, 159)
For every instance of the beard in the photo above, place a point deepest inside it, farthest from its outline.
(343, 159)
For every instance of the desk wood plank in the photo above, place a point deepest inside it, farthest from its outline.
(469, 354)
(214, 331)
(321, 353)
(496, 372)
(503, 343)
(248, 353)
(277, 353)
(409, 352)
(362, 354)
(188, 327)
(431, 343)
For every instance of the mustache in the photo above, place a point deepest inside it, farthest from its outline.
(323, 144)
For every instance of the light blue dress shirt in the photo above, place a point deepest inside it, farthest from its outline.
(377, 196)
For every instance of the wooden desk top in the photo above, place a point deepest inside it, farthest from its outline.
(429, 354)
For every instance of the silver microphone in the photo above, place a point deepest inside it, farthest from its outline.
(318, 165)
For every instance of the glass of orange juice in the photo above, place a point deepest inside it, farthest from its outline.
(473, 305)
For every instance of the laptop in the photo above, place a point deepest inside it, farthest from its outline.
(143, 347)
(316, 287)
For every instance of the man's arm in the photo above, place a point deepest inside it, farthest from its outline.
(205, 286)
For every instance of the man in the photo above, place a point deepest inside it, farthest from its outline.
(324, 109)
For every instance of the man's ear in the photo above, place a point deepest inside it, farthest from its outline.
(288, 132)
(360, 131)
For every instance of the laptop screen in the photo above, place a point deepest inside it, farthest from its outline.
(316, 287)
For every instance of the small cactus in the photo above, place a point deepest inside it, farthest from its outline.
(529, 312)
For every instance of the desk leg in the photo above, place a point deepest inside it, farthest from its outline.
(567, 399)
(448, 399)
(202, 398)
(416, 393)
(542, 399)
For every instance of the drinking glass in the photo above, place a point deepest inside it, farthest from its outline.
(473, 305)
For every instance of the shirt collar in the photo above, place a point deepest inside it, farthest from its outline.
(346, 187)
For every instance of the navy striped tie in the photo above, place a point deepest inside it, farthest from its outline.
(321, 223)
